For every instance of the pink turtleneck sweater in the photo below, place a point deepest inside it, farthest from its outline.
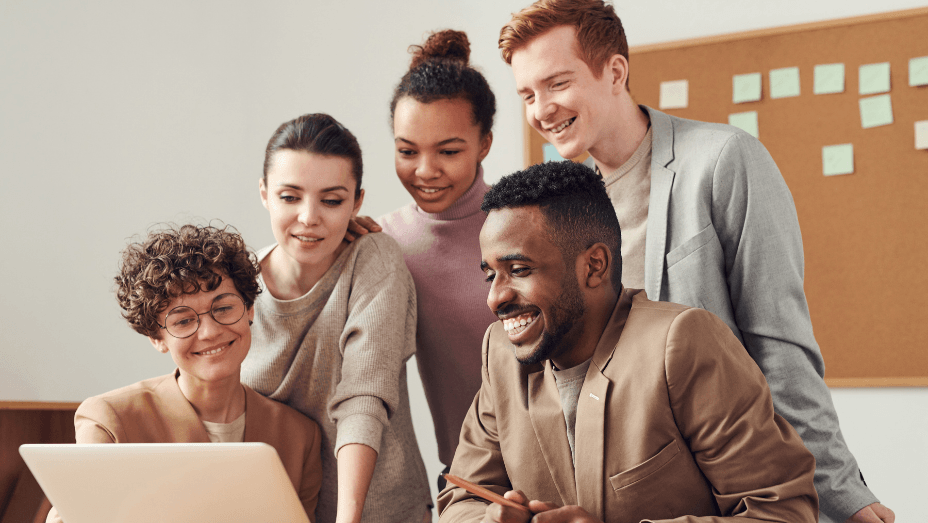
(442, 251)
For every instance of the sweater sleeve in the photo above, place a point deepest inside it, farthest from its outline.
(378, 338)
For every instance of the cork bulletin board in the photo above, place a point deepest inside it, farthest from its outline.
(865, 234)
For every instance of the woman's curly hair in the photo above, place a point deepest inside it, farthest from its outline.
(174, 261)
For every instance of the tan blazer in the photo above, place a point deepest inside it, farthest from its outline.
(674, 422)
(156, 411)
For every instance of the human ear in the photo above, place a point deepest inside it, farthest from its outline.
(159, 345)
(617, 69)
(598, 265)
(485, 144)
(262, 189)
(357, 204)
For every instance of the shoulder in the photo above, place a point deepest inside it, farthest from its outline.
(398, 220)
(125, 401)
(704, 142)
(279, 418)
(376, 256)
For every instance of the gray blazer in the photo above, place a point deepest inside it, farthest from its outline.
(723, 235)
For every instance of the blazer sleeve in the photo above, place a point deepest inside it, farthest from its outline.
(758, 228)
(379, 336)
(478, 456)
(757, 465)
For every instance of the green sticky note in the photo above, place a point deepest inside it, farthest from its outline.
(829, 79)
(746, 121)
(918, 71)
(784, 83)
(876, 111)
(838, 159)
(746, 88)
(874, 78)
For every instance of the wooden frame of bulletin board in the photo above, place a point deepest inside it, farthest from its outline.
(865, 234)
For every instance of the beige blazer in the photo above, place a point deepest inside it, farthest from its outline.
(674, 422)
(156, 411)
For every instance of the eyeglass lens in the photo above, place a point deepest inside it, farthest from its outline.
(183, 321)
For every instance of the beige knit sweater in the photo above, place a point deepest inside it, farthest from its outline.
(338, 355)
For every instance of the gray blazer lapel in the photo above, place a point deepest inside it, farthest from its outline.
(544, 407)
(659, 202)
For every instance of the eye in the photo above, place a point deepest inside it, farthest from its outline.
(406, 152)
(489, 276)
(333, 202)
(288, 198)
(450, 152)
(183, 322)
(520, 270)
(528, 98)
(559, 85)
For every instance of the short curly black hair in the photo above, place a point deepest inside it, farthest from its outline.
(573, 199)
(173, 261)
(440, 71)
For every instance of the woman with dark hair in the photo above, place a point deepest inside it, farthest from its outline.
(190, 291)
(442, 113)
(336, 325)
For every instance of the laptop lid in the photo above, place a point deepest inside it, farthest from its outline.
(158, 482)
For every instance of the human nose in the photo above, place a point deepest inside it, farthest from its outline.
(309, 214)
(501, 293)
(427, 168)
(543, 108)
(209, 327)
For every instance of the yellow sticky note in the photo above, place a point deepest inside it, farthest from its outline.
(746, 121)
(921, 134)
(674, 95)
(918, 71)
(876, 111)
(838, 159)
(874, 78)
(784, 83)
(746, 88)
(829, 79)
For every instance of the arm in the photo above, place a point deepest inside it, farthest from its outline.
(757, 465)
(311, 478)
(756, 222)
(355, 469)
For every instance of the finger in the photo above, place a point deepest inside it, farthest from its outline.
(502, 514)
(541, 506)
(883, 512)
(865, 515)
(350, 237)
(357, 228)
(517, 496)
(368, 223)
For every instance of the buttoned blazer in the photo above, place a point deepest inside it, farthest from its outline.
(674, 422)
(156, 411)
(723, 235)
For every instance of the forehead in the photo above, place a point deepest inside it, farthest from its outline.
(434, 121)
(551, 52)
(202, 299)
(520, 230)
(309, 170)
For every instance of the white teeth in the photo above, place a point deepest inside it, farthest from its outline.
(211, 352)
(428, 190)
(308, 239)
(563, 126)
(512, 323)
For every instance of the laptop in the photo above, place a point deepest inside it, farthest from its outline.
(159, 482)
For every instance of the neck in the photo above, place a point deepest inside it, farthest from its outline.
(595, 320)
(619, 145)
(220, 401)
(287, 280)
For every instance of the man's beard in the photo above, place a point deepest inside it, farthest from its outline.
(567, 313)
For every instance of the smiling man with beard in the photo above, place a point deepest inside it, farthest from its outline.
(614, 408)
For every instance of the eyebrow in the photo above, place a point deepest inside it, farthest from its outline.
(547, 79)
(509, 257)
(443, 142)
(299, 188)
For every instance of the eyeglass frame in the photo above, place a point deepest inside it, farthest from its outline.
(198, 314)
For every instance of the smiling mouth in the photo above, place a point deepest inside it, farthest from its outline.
(430, 190)
(565, 125)
(213, 352)
(516, 325)
(307, 239)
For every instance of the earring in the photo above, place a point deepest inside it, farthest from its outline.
(250, 323)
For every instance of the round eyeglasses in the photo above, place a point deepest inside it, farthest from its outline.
(183, 322)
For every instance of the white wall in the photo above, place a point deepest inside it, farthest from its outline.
(116, 115)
